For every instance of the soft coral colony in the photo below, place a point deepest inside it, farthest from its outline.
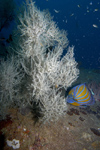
(41, 71)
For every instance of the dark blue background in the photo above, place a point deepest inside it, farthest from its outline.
(78, 17)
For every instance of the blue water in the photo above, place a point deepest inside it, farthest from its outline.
(78, 18)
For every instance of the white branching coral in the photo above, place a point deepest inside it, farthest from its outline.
(10, 78)
(41, 45)
(38, 31)
(49, 78)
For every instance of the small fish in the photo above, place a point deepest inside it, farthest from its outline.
(56, 86)
(72, 14)
(88, 11)
(66, 21)
(56, 11)
(95, 26)
(78, 6)
(80, 95)
(91, 3)
(95, 10)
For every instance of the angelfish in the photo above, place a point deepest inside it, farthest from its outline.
(80, 95)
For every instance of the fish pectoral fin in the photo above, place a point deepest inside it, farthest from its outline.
(71, 100)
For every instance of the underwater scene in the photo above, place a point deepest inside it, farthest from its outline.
(50, 75)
